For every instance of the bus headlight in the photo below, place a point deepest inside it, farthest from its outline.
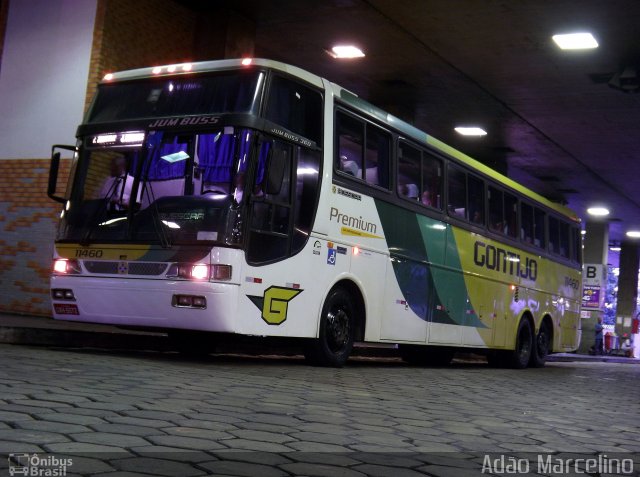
(200, 271)
(65, 266)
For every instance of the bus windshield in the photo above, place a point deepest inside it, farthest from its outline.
(169, 188)
(227, 92)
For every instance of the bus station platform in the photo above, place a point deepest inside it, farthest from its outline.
(45, 331)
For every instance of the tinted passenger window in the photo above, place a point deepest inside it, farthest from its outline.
(419, 176)
(538, 228)
(350, 145)
(565, 240)
(554, 235)
(296, 107)
(576, 253)
(457, 192)
(475, 188)
(511, 215)
(409, 172)
(496, 210)
(431, 181)
(526, 223)
(369, 163)
(378, 156)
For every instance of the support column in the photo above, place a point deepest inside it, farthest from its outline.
(596, 250)
(627, 287)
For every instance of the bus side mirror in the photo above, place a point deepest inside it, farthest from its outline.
(53, 172)
(275, 173)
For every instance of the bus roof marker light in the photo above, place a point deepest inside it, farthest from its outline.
(470, 131)
(157, 70)
(108, 77)
(575, 41)
(246, 61)
(171, 68)
(187, 67)
(598, 211)
(346, 52)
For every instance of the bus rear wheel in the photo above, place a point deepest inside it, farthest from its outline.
(520, 356)
(541, 347)
(337, 331)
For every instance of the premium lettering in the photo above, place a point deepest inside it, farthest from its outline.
(353, 222)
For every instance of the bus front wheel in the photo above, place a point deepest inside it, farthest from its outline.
(337, 328)
(520, 356)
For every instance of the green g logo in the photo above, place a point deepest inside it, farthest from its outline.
(275, 303)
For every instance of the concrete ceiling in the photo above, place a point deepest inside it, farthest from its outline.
(555, 123)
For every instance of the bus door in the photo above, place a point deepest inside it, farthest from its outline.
(281, 187)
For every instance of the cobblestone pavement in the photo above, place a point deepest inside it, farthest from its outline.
(124, 414)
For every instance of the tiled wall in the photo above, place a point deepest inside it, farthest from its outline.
(27, 225)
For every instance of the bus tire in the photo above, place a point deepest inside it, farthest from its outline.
(520, 356)
(337, 331)
(540, 349)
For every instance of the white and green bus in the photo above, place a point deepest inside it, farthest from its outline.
(252, 198)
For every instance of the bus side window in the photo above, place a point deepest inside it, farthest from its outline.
(526, 229)
(496, 212)
(554, 235)
(576, 251)
(377, 156)
(431, 191)
(296, 107)
(539, 228)
(564, 241)
(511, 215)
(409, 172)
(457, 192)
(475, 194)
(350, 140)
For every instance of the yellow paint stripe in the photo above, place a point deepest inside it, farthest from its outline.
(103, 252)
(357, 233)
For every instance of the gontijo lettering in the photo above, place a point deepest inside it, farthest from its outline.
(501, 260)
(354, 222)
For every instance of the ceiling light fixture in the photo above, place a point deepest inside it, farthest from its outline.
(598, 211)
(575, 41)
(633, 234)
(346, 51)
(615, 249)
(470, 131)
